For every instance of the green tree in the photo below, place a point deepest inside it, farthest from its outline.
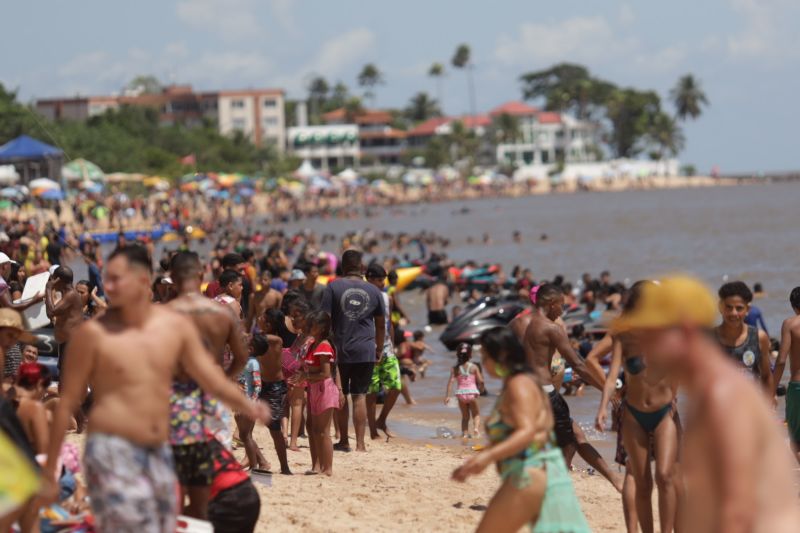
(462, 60)
(665, 136)
(421, 108)
(462, 144)
(437, 72)
(369, 78)
(507, 128)
(352, 108)
(567, 87)
(145, 84)
(630, 113)
(339, 97)
(688, 98)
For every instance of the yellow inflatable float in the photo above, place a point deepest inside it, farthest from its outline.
(194, 233)
(405, 276)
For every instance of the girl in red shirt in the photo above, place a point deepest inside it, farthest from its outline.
(324, 394)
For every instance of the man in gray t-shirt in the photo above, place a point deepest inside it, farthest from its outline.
(357, 317)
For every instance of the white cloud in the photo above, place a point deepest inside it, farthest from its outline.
(230, 20)
(769, 32)
(342, 51)
(626, 15)
(575, 39)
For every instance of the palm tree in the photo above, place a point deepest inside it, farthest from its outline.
(437, 73)
(665, 135)
(688, 98)
(507, 128)
(368, 79)
(353, 108)
(317, 94)
(421, 107)
(462, 60)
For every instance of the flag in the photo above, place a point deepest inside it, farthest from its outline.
(189, 160)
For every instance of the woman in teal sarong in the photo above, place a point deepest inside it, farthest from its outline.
(537, 489)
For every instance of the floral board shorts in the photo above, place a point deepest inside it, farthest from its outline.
(132, 488)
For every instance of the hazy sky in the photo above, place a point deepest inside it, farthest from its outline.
(741, 50)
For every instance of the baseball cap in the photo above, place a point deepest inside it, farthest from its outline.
(5, 259)
(53, 269)
(9, 318)
(297, 275)
(376, 271)
(674, 301)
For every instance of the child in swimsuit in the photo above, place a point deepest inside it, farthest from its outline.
(250, 383)
(468, 379)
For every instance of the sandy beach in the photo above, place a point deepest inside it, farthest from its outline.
(399, 485)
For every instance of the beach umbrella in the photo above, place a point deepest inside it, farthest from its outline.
(347, 175)
(8, 174)
(10, 192)
(206, 184)
(52, 194)
(246, 192)
(44, 183)
(306, 170)
(81, 169)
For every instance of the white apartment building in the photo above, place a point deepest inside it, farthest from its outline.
(326, 147)
(546, 137)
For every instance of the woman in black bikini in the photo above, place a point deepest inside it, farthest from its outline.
(648, 424)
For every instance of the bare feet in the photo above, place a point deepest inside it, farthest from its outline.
(383, 427)
(294, 448)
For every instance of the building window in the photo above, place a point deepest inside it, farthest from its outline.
(545, 156)
(527, 156)
(237, 104)
(271, 121)
(270, 103)
(239, 124)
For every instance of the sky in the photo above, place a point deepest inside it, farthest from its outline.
(744, 52)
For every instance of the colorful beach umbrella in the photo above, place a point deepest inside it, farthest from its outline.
(81, 169)
(43, 183)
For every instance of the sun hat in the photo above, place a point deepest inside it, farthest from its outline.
(9, 318)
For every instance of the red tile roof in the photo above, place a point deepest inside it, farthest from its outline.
(389, 133)
(477, 121)
(428, 127)
(367, 116)
(515, 108)
(549, 117)
(336, 115)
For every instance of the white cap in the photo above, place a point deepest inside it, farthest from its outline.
(52, 269)
(5, 259)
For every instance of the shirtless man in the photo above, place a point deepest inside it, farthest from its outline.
(263, 300)
(219, 329)
(543, 337)
(436, 298)
(66, 314)
(231, 287)
(130, 356)
(790, 347)
(738, 475)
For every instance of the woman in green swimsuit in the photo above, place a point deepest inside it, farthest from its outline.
(537, 488)
(649, 427)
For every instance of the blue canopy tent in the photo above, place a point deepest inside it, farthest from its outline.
(32, 158)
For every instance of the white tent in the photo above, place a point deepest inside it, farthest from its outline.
(347, 175)
(306, 170)
(8, 174)
(44, 183)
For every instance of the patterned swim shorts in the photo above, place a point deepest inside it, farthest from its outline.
(386, 375)
(132, 488)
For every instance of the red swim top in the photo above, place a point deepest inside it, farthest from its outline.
(227, 471)
(315, 356)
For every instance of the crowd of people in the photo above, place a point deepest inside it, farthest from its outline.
(168, 362)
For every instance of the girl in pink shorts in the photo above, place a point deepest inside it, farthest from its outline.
(324, 395)
(468, 378)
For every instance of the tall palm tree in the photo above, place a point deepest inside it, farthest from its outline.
(368, 79)
(437, 73)
(421, 107)
(688, 98)
(462, 59)
(318, 89)
(353, 108)
(665, 135)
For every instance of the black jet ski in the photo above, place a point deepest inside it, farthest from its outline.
(486, 313)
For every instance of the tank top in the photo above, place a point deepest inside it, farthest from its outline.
(748, 354)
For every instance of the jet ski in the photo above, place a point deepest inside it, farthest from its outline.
(486, 313)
